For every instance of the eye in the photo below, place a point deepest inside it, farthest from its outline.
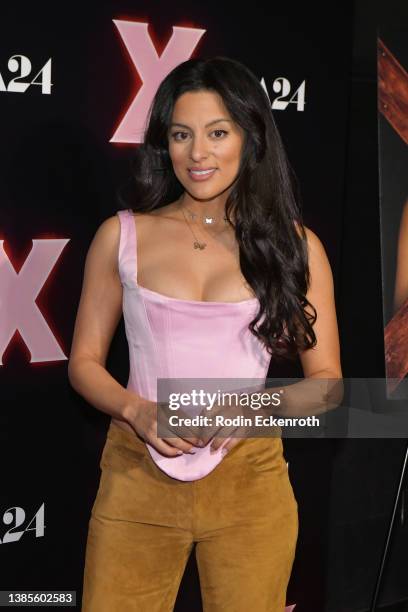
(175, 134)
(222, 131)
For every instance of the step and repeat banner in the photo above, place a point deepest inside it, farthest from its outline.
(392, 110)
(75, 85)
(393, 163)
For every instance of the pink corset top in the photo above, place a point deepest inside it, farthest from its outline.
(176, 338)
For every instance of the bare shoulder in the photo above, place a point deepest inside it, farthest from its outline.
(314, 244)
(103, 250)
(108, 232)
(318, 261)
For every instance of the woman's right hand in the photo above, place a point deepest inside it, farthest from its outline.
(142, 417)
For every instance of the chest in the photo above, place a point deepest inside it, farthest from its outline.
(169, 264)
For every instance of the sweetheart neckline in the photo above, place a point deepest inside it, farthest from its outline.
(169, 297)
(205, 302)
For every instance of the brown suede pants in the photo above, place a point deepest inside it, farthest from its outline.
(242, 516)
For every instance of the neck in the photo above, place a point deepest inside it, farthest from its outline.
(203, 208)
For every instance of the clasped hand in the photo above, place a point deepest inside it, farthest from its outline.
(222, 425)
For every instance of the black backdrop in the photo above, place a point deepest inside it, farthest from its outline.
(59, 177)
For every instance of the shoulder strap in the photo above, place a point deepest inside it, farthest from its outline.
(127, 255)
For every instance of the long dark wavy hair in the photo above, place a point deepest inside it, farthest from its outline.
(264, 197)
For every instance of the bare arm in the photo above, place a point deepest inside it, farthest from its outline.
(324, 359)
(322, 388)
(99, 312)
(401, 279)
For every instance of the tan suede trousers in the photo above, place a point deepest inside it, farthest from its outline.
(243, 517)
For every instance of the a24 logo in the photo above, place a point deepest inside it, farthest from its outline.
(15, 516)
(21, 66)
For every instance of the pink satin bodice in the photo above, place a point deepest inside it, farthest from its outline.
(175, 338)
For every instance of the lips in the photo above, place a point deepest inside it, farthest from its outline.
(201, 168)
(198, 169)
(201, 174)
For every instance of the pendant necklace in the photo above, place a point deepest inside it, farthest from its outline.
(197, 244)
(206, 220)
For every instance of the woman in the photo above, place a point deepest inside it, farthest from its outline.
(217, 236)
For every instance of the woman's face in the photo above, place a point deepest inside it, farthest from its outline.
(203, 136)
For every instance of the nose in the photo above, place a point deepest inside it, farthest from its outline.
(199, 148)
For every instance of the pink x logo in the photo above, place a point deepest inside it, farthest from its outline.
(152, 70)
(18, 292)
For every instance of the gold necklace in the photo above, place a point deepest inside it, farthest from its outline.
(206, 219)
(196, 244)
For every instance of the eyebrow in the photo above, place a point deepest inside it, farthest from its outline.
(207, 125)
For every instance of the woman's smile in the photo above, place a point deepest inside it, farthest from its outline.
(201, 175)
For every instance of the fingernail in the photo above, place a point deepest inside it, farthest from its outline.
(224, 451)
(179, 452)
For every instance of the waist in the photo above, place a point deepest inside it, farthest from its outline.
(244, 448)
